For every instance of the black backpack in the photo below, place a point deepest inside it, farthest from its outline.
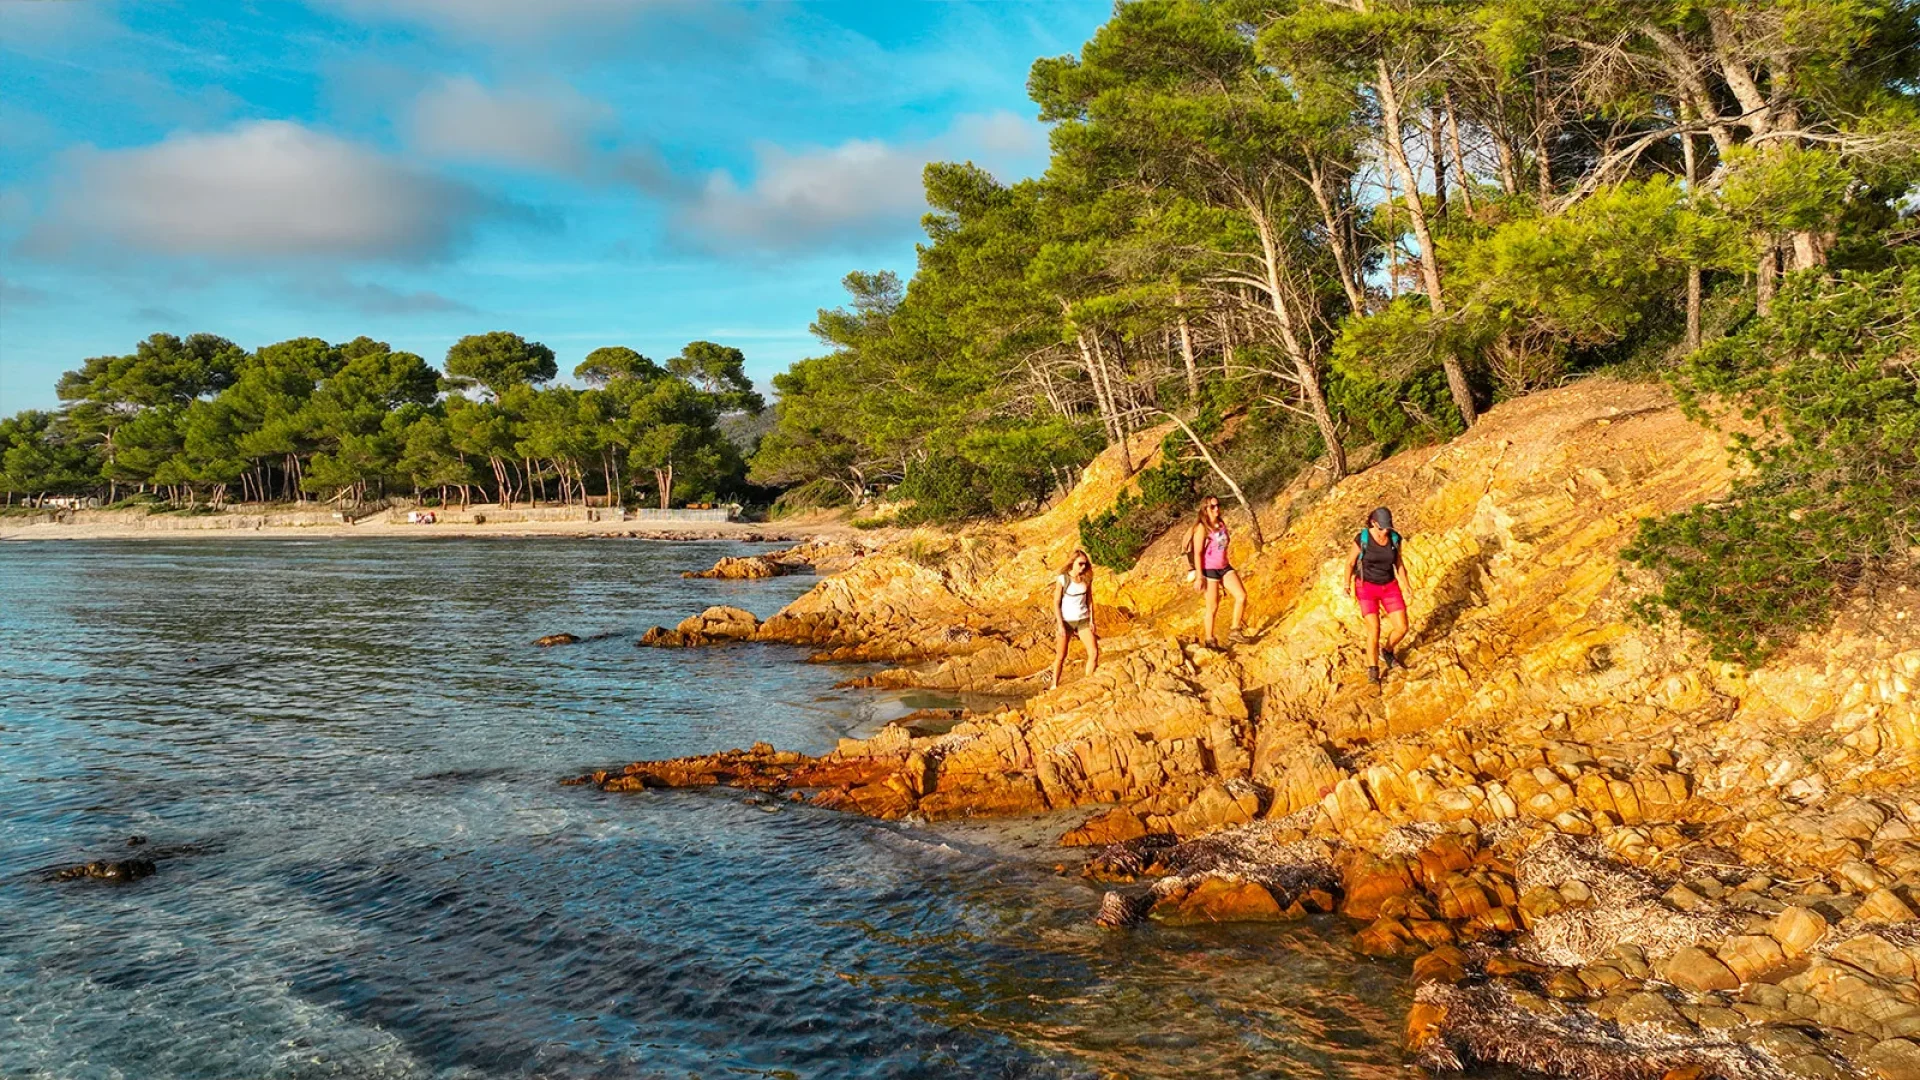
(1360, 560)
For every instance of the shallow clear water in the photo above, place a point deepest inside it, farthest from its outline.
(344, 755)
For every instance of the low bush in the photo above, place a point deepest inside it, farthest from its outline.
(820, 494)
(1832, 378)
(1115, 537)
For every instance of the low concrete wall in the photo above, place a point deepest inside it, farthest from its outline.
(679, 515)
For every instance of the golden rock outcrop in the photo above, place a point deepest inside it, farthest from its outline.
(1628, 835)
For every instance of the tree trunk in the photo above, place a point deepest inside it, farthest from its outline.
(1691, 161)
(1186, 352)
(1259, 539)
(1436, 123)
(1103, 397)
(1462, 176)
(1457, 384)
(1410, 185)
(1766, 276)
(1393, 247)
(1296, 351)
(1340, 238)
(1543, 132)
(1122, 416)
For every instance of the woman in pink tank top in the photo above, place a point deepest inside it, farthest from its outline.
(1209, 567)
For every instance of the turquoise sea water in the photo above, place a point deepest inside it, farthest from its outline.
(344, 756)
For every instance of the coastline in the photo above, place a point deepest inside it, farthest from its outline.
(243, 526)
(1603, 855)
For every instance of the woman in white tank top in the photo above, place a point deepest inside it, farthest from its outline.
(1073, 613)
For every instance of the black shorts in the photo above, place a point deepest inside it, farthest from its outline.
(1217, 575)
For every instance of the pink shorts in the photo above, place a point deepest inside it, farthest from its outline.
(1377, 598)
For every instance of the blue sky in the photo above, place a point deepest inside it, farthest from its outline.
(583, 172)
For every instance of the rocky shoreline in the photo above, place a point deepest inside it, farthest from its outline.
(1603, 856)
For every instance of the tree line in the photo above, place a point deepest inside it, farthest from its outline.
(1318, 225)
(200, 420)
(1367, 220)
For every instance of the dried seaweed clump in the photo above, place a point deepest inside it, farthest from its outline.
(1625, 909)
(1494, 1024)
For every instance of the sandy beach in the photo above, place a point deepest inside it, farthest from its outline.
(120, 525)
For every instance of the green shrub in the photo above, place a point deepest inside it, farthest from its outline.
(821, 494)
(1115, 537)
(991, 472)
(944, 489)
(1834, 492)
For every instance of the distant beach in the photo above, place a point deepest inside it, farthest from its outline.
(477, 521)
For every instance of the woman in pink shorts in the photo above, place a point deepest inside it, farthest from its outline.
(1375, 576)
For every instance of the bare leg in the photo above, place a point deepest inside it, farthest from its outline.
(1239, 594)
(1373, 640)
(1396, 630)
(1213, 609)
(1092, 645)
(1060, 655)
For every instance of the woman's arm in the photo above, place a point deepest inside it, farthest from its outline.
(1060, 604)
(1353, 570)
(1400, 568)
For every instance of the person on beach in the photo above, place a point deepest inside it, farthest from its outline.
(1374, 577)
(1209, 568)
(1073, 613)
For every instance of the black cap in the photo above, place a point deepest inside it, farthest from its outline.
(1382, 517)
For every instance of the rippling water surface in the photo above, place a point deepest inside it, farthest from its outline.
(343, 756)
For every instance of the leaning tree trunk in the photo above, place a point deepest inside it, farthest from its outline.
(1186, 350)
(1296, 351)
(1423, 235)
(1259, 539)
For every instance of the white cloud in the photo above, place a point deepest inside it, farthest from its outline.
(552, 129)
(262, 190)
(798, 199)
(859, 190)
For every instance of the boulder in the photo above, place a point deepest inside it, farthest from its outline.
(1368, 881)
(1883, 906)
(1798, 929)
(1446, 964)
(1696, 969)
(1217, 900)
(1894, 1059)
(716, 624)
(1110, 827)
(744, 568)
(1750, 956)
(551, 640)
(1216, 807)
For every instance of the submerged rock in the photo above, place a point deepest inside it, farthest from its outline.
(108, 870)
(556, 639)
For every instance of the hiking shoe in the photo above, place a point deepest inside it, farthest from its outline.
(1239, 638)
(1390, 661)
(1373, 675)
